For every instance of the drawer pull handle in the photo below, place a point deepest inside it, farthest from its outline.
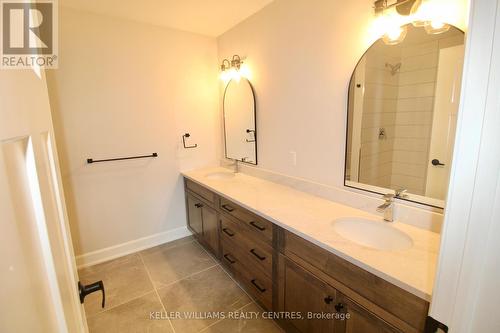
(261, 289)
(257, 255)
(328, 300)
(198, 205)
(228, 208)
(255, 225)
(339, 307)
(228, 232)
(228, 258)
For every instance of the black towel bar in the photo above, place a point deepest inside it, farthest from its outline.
(90, 160)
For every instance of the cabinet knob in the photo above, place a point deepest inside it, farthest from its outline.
(328, 299)
(198, 205)
(339, 307)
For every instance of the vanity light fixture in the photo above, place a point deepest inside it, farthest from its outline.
(396, 14)
(233, 69)
(395, 35)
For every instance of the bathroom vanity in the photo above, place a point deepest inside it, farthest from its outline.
(281, 246)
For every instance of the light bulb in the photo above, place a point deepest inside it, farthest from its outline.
(395, 35)
(436, 27)
(245, 71)
(224, 76)
(234, 75)
(419, 14)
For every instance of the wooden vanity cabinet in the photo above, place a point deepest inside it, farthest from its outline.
(360, 319)
(371, 300)
(288, 274)
(209, 217)
(203, 220)
(323, 308)
(304, 293)
(195, 222)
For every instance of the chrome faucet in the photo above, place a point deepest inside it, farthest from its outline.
(236, 166)
(388, 206)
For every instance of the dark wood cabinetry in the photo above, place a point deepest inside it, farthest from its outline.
(305, 294)
(360, 320)
(195, 222)
(210, 228)
(203, 222)
(315, 290)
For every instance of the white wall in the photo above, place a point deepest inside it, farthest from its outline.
(126, 88)
(301, 55)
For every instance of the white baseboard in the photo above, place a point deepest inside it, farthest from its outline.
(116, 251)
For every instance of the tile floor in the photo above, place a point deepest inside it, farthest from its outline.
(179, 277)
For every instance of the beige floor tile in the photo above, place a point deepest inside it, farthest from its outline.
(124, 279)
(247, 320)
(168, 245)
(133, 317)
(210, 291)
(170, 264)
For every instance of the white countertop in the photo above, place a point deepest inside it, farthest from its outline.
(311, 217)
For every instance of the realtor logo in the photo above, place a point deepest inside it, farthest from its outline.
(29, 33)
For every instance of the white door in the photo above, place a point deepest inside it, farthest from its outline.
(38, 278)
(444, 122)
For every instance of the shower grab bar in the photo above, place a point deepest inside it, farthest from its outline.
(91, 160)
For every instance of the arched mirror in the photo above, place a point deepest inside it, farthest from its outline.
(240, 132)
(402, 112)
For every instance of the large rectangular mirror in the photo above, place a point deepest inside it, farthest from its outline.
(402, 112)
(240, 127)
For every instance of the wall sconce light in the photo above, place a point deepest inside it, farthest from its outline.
(233, 70)
(397, 14)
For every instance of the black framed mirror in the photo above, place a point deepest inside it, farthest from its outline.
(401, 117)
(240, 121)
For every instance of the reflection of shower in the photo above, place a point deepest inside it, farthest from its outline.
(394, 68)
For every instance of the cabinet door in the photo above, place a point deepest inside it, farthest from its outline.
(194, 215)
(358, 319)
(305, 294)
(210, 229)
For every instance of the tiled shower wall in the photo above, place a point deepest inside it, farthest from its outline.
(402, 104)
(379, 112)
(415, 103)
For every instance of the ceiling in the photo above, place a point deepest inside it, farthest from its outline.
(206, 17)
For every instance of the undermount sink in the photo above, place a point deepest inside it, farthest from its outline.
(373, 234)
(220, 175)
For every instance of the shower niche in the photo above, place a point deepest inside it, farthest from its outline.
(402, 110)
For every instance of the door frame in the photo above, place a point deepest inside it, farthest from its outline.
(474, 189)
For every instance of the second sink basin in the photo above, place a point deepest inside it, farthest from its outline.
(373, 234)
(220, 175)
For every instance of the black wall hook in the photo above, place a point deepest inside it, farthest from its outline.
(187, 135)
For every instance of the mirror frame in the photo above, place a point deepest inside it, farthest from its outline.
(254, 118)
(414, 198)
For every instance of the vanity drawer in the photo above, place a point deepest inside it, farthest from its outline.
(201, 191)
(255, 281)
(404, 305)
(257, 253)
(260, 227)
